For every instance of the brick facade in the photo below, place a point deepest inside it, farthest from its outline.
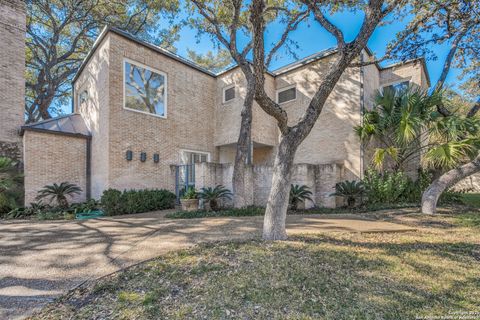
(53, 158)
(12, 80)
(197, 119)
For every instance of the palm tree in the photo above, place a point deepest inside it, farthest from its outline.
(350, 190)
(405, 124)
(212, 195)
(299, 194)
(59, 193)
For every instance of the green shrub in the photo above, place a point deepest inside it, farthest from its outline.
(393, 187)
(115, 202)
(111, 202)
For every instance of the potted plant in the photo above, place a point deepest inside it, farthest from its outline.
(298, 195)
(212, 195)
(189, 200)
(350, 191)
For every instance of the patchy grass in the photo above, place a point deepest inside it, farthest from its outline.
(431, 272)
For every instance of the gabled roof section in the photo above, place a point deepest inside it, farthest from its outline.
(291, 66)
(72, 125)
(414, 61)
(130, 37)
(309, 59)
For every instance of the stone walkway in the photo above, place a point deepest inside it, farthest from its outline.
(41, 260)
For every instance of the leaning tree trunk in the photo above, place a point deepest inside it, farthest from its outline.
(434, 191)
(243, 146)
(277, 205)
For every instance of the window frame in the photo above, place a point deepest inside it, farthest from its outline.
(224, 90)
(208, 154)
(393, 83)
(138, 64)
(285, 89)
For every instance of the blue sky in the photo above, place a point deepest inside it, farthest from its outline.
(312, 38)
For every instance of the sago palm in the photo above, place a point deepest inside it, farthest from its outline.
(212, 195)
(350, 190)
(59, 193)
(299, 194)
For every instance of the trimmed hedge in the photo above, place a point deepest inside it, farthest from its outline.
(115, 202)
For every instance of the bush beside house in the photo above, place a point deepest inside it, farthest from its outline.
(116, 202)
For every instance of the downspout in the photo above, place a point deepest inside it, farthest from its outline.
(73, 98)
(88, 168)
(362, 110)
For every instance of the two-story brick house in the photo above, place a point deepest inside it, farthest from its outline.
(140, 110)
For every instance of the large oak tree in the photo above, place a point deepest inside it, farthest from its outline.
(291, 136)
(61, 32)
(226, 22)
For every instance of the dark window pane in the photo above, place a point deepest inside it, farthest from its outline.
(229, 94)
(287, 95)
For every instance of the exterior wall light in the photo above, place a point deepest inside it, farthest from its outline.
(143, 156)
(129, 155)
(156, 157)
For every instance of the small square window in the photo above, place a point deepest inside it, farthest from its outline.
(286, 95)
(228, 94)
(83, 97)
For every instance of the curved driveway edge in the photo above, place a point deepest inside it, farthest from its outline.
(41, 260)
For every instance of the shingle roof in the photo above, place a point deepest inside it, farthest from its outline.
(72, 124)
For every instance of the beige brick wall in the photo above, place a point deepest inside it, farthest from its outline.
(332, 139)
(198, 120)
(228, 115)
(411, 71)
(189, 124)
(52, 158)
(95, 111)
(321, 180)
(12, 80)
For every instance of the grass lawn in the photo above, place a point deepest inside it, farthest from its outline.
(430, 272)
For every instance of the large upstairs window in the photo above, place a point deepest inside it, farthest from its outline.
(145, 89)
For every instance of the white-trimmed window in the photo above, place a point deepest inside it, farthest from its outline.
(397, 87)
(287, 94)
(228, 94)
(145, 89)
(192, 156)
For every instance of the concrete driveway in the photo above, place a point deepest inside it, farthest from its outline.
(41, 260)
